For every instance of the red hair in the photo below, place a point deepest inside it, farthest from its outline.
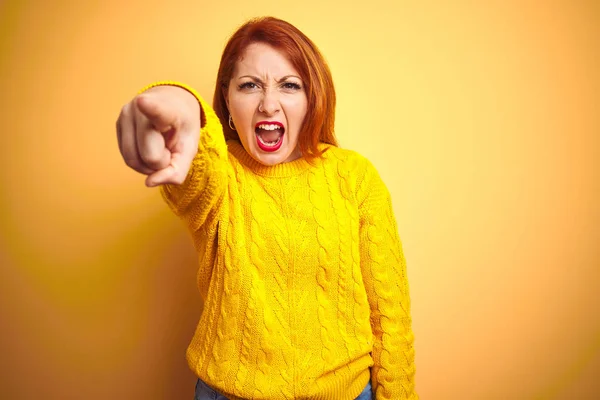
(318, 125)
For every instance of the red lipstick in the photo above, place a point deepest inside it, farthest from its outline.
(265, 144)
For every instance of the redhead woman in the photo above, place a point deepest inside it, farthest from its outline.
(301, 270)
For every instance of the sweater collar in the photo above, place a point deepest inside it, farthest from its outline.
(285, 169)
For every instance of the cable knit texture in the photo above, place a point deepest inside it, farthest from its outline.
(301, 272)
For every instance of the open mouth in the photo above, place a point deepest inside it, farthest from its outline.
(269, 135)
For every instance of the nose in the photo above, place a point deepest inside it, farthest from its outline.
(269, 104)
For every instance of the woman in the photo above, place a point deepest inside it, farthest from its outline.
(301, 268)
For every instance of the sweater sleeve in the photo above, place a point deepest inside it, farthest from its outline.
(384, 273)
(199, 196)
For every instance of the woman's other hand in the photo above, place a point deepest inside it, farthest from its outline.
(158, 133)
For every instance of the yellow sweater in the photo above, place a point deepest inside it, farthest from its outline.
(301, 273)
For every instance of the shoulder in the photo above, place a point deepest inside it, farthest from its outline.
(350, 161)
(347, 160)
(356, 169)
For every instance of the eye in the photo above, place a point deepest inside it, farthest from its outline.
(291, 86)
(247, 85)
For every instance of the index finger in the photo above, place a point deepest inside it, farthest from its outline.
(160, 115)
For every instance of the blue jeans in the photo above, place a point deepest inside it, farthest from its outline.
(205, 392)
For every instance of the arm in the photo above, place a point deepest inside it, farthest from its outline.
(206, 182)
(384, 273)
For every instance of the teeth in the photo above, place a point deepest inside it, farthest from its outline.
(269, 143)
(268, 127)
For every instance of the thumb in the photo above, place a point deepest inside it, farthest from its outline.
(175, 173)
(160, 115)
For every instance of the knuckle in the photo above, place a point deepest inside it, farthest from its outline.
(151, 157)
(131, 162)
(125, 111)
(134, 101)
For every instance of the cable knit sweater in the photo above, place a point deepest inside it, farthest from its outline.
(301, 272)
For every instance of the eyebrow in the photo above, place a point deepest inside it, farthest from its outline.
(257, 79)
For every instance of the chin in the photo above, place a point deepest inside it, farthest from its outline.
(281, 155)
(270, 159)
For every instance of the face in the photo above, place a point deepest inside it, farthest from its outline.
(267, 103)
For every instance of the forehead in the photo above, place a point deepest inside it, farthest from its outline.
(265, 61)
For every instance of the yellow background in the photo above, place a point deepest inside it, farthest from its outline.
(482, 118)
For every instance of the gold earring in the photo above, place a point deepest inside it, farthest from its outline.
(231, 123)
